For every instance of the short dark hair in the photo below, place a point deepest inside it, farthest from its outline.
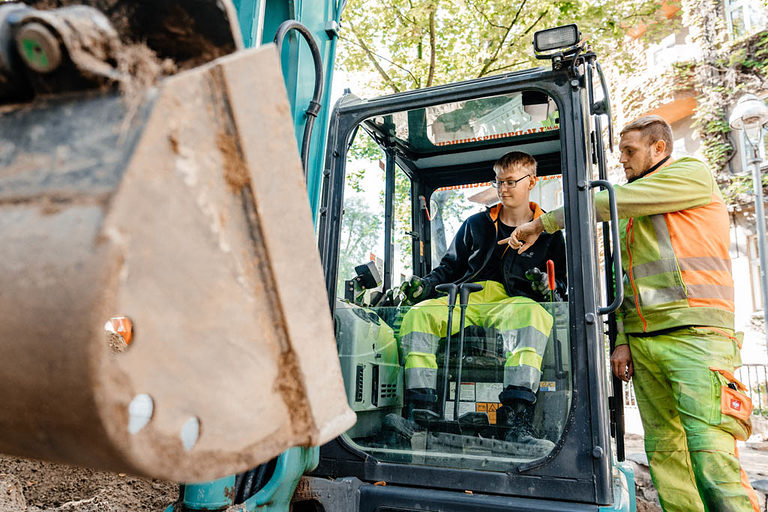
(515, 160)
(653, 128)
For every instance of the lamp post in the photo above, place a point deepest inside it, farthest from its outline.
(750, 115)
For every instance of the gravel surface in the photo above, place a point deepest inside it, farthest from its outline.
(35, 486)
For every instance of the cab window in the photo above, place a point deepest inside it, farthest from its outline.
(497, 393)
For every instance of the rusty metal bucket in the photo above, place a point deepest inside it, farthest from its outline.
(185, 211)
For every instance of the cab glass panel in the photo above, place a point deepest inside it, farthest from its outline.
(496, 393)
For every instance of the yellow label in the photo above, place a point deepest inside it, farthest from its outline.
(489, 408)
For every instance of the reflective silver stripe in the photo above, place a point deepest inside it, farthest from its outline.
(654, 297)
(696, 263)
(524, 337)
(420, 342)
(666, 252)
(524, 376)
(629, 301)
(653, 267)
(710, 291)
(420, 378)
(705, 263)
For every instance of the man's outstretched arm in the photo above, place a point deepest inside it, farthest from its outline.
(524, 236)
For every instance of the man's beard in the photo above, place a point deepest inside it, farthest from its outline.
(649, 166)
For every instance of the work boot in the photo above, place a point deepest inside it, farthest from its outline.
(518, 420)
(421, 402)
(396, 433)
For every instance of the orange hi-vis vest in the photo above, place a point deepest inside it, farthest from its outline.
(674, 245)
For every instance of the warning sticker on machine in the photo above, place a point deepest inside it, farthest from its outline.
(490, 408)
(488, 391)
(467, 391)
(547, 385)
(464, 407)
(476, 397)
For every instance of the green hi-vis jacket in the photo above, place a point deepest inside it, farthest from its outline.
(674, 247)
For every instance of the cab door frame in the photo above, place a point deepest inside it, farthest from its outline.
(580, 467)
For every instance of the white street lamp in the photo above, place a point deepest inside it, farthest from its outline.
(750, 115)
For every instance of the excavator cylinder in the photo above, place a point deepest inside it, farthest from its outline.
(162, 304)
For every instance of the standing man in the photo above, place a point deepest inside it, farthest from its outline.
(676, 332)
(475, 257)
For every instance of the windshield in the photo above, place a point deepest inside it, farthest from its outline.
(476, 121)
(497, 392)
(490, 118)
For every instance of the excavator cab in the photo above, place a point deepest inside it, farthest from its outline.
(402, 172)
(428, 203)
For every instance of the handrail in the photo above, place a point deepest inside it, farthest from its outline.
(619, 298)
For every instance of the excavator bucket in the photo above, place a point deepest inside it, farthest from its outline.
(162, 304)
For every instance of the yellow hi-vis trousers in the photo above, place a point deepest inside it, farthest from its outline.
(523, 323)
(693, 411)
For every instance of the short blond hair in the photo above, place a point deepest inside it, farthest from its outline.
(515, 160)
(653, 128)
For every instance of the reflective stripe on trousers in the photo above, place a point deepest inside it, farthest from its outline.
(523, 324)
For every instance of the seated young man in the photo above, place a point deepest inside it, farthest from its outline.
(476, 256)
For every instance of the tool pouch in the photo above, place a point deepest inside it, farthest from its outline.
(735, 405)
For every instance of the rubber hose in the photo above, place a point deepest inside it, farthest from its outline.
(314, 105)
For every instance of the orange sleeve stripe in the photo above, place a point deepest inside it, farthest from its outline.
(712, 303)
(720, 277)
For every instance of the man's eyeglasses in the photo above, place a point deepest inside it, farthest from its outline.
(508, 183)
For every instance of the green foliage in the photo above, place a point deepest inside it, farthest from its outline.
(360, 233)
(366, 156)
(412, 44)
(738, 68)
(362, 152)
(739, 190)
(402, 238)
(684, 74)
(738, 186)
(364, 148)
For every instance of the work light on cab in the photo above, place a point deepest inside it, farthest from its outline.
(558, 38)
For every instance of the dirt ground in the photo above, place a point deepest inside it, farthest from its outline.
(34, 486)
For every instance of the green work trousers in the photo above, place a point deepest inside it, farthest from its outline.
(692, 418)
(523, 324)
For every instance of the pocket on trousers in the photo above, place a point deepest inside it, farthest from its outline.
(699, 396)
(735, 405)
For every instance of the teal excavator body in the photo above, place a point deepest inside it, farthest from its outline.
(259, 21)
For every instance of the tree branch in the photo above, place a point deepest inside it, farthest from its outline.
(372, 57)
(402, 16)
(432, 45)
(502, 68)
(533, 25)
(350, 227)
(485, 16)
(495, 56)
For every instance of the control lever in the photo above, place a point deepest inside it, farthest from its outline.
(449, 289)
(551, 279)
(560, 373)
(464, 290)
